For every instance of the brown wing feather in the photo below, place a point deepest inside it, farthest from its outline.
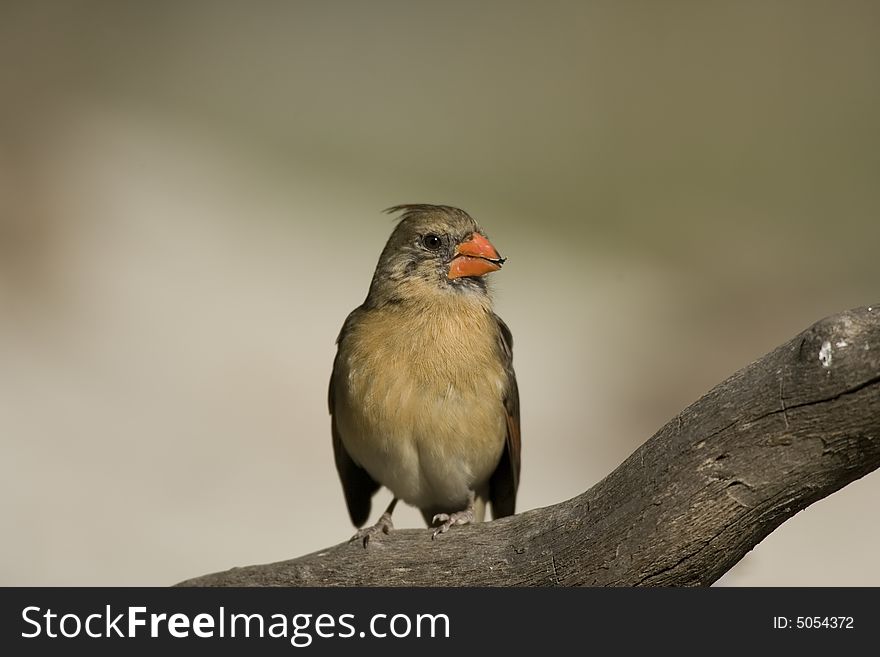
(357, 485)
(505, 480)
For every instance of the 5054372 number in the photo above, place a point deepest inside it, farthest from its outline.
(813, 623)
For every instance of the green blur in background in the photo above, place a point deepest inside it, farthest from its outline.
(190, 205)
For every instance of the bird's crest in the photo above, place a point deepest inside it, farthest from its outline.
(408, 210)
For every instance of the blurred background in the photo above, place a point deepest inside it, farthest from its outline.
(190, 197)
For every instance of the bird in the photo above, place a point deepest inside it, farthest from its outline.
(423, 396)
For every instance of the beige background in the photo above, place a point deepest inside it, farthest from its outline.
(190, 200)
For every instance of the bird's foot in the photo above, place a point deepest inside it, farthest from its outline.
(383, 526)
(447, 520)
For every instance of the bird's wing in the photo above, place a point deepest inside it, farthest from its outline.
(357, 485)
(505, 480)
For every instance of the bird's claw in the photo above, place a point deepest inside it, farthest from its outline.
(447, 520)
(383, 526)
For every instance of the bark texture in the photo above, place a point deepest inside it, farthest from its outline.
(783, 432)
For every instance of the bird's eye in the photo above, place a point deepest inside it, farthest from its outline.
(431, 242)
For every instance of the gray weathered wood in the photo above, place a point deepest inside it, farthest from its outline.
(789, 429)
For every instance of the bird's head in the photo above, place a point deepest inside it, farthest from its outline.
(434, 249)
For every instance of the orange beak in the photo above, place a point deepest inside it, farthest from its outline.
(475, 257)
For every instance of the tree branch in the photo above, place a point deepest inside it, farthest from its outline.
(789, 429)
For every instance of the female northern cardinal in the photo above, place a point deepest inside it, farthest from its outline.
(423, 397)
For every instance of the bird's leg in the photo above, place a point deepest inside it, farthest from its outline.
(382, 526)
(458, 518)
